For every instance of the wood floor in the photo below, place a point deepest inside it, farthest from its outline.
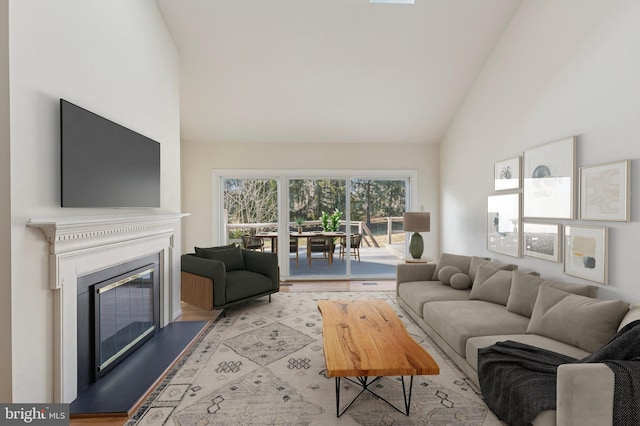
(192, 313)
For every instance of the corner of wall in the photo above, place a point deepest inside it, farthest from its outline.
(6, 381)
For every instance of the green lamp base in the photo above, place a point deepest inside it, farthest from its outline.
(416, 245)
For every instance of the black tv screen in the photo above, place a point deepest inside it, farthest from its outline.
(104, 164)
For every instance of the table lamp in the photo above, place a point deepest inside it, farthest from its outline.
(416, 222)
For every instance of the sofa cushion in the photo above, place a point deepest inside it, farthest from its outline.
(231, 257)
(478, 261)
(491, 285)
(200, 251)
(524, 291)
(460, 281)
(547, 343)
(457, 321)
(445, 274)
(576, 320)
(473, 266)
(459, 261)
(417, 293)
(242, 284)
(632, 315)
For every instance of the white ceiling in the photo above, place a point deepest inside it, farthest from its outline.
(341, 71)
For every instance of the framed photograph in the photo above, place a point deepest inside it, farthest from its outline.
(585, 252)
(507, 174)
(604, 191)
(549, 175)
(541, 240)
(503, 224)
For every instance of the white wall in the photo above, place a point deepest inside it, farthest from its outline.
(114, 58)
(562, 68)
(5, 210)
(198, 161)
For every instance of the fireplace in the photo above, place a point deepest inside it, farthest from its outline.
(81, 246)
(118, 311)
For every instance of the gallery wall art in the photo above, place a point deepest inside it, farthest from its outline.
(604, 191)
(585, 252)
(507, 174)
(549, 175)
(542, 240)
(503, 224)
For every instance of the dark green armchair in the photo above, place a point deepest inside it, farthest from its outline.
(219, 277)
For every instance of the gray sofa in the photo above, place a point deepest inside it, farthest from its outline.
(465, 303)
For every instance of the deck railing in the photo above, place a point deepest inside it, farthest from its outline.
(361, 227)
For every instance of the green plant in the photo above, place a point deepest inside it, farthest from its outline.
(331, 223)
(299, 221)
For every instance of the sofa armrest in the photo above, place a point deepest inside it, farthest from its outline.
(263, 263)
(584, 395)
(407, 272)
(209, 268)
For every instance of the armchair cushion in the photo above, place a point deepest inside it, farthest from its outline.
(231, 257)
(201, 251)
(243, 284)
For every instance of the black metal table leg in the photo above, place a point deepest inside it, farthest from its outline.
(363, 381)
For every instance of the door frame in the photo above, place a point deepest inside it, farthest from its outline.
(283, 176)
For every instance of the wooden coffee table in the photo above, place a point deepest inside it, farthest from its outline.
(366, 340)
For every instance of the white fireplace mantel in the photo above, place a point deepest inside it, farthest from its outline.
(83, 245)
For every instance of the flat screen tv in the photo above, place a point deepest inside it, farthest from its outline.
(104, 164)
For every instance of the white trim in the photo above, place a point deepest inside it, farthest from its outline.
(283, 176)
(81, 245)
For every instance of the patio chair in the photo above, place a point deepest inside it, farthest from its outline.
(293, 248)
(252, 243)
(356, 240)
(318, 244)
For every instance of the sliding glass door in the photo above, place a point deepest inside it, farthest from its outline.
(342, 226)
(318, 232)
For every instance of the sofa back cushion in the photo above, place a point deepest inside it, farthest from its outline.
(524, 291)
(491, 285)
(473, 267)
(459, 261)
(231, 257)
(580, 321)
(478, 261)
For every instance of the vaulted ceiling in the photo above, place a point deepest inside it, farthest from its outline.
(328, 71)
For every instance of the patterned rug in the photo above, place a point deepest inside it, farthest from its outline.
(262, 364)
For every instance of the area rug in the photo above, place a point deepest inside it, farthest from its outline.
(262, 364)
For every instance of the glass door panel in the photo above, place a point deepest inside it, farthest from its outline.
(251, 212)
(317, 227)
(378, 241)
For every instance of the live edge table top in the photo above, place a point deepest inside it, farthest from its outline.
(366, 338)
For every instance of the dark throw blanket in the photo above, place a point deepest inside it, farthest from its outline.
(518, 381)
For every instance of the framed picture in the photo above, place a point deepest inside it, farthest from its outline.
(549, 175)
(604, 191)
(585, 252)
(507, 174)
(503, 224)
(541, 240)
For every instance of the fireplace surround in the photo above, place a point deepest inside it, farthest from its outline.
(118, 310)
(79, 246)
